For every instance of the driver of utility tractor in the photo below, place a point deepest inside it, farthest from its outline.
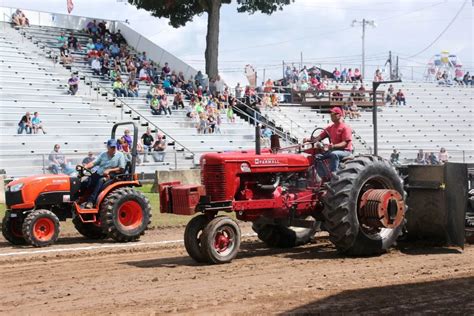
(106, 165)
(340, 135)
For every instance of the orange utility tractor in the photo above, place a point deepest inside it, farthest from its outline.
(36, 205)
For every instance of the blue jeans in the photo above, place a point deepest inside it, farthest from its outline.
(96, 182)
(23, 127)
(333, 158)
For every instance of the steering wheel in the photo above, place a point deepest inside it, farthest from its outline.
(319, 144)
(83, 171)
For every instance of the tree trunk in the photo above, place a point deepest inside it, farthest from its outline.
(212, 38)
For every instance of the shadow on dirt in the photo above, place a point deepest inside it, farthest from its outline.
(437, 297)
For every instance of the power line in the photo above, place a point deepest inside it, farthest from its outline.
(441, 34)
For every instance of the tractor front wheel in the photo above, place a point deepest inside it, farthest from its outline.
(364, 207)
(89, 230)
(41, 228)
(192, 237)
(12, 229)
(220, 240)
(125, 214)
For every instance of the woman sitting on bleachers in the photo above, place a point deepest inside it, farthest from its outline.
(118, 87)
(132, 88)
(20, 19)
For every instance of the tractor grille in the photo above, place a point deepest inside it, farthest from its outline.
(13, 198)
(213, 178)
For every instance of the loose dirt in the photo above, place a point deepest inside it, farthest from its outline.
(79, 277)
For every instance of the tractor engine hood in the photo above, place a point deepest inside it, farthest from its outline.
(24, 193)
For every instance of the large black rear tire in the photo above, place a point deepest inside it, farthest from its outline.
(280, 236)
(193, 235)
(12, 229)
(89, 230)
(125, 214)
(343, 199)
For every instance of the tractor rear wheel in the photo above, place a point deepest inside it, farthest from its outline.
(125, 214)
(192, 237)
(41, 228)
(220, 240)
(350, 230)
(89, 230)
(12, 229)
(280, 236)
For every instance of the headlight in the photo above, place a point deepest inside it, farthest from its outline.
(17, 187)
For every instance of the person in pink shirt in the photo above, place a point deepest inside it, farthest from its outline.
(350, 75)
(357, 75)
(340, 146)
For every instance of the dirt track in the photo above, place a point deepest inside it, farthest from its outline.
(161, 278)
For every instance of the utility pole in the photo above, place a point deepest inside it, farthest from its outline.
(363, 23)
(390, 61)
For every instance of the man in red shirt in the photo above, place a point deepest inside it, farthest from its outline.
(340, 146)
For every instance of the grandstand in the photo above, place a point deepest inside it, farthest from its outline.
(33, 80)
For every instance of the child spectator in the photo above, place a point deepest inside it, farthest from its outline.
(155, 105)
(159, 148)
(25, 124)
(443, 155)
(178, 101)
(400, 97)
(73, 83)
(37, 123)
(202, 124)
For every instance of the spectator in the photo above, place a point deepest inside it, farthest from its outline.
(25, 124)
(65, 55)
(354, 110)
(90, 46)
(147, 143)
(420, 157)
(126, 136)
(357, 75)
(123, 147)
(378, 76)
(72, 41)
(268, 86)
(344, 75)
(467, 79)
(459, 76)
(118, 87)
(143, 75)
(159, 148)
(336, 95)
(155, 105)
(96, 66)
(391, 97)
(361, 93)
(178, 101)
(443, 155)
(92, 27)
(394, 157)
(350, 76)
(73, 83)
(132, 89)
(164, 106)
(266, 134)
(90, 157)
(337, 75)
(58, 162)
(20, 19)
(400, 97)
(167, 85)
(37, 123)
(202, 124)
(62, 39)
(220, 85)
(199, 79)
(165, 71)
(432, 159)
(238, 91)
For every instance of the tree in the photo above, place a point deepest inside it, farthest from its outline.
(180, 12)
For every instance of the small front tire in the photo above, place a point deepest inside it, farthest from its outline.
(12, 229)
(41, 228)
(193, 235)
(220, 240)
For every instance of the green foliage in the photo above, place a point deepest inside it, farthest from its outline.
(180, 12)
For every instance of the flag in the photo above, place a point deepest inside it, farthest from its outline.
(70, 6)
(251, 75)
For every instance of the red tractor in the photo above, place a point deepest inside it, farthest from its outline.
(362, 205)
(36, 204)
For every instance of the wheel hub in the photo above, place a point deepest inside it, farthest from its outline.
(43, 229)
(381, 208)
(221, 242)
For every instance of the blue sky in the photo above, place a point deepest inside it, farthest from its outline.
(320, 30)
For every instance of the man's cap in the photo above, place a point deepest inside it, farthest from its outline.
(111, 143)
(337, 110)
